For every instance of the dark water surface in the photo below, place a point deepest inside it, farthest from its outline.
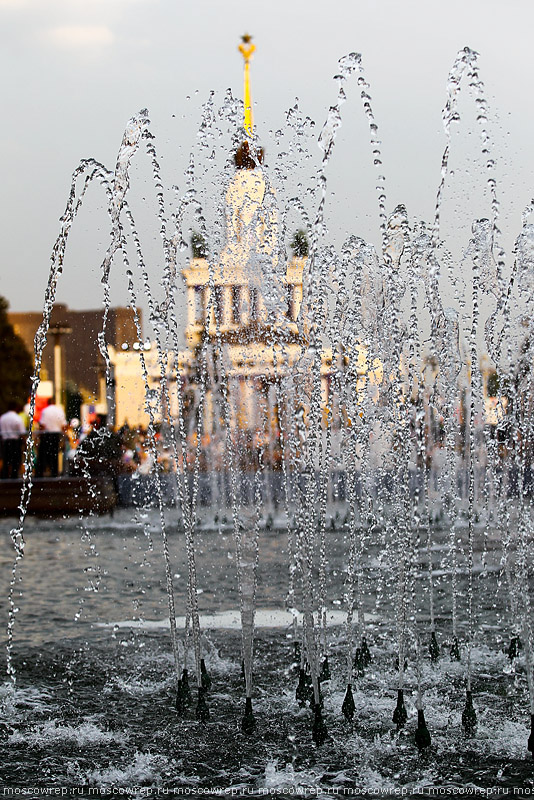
(94, 701)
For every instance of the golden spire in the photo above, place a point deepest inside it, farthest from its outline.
(247, 49)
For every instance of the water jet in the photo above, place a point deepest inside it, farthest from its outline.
(344, 471)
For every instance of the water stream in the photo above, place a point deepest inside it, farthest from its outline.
(363, 566)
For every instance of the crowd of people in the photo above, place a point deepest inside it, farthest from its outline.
(61, 447)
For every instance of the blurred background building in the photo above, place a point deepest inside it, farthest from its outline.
(73, 370)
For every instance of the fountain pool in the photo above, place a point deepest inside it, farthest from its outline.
(95, 696)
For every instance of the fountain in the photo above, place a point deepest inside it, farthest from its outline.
(347, 566)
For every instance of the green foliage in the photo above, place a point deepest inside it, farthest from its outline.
(299, 244)
(493, 384)
(497, 386)
(199, 246)
(16, 363)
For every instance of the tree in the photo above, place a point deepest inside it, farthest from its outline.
(199, 246)
(299, 244)
(493, 384)
(16, 364)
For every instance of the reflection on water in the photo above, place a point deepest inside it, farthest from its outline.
(76, 573)
(79, 574)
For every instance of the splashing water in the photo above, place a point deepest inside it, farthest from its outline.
(340, 413)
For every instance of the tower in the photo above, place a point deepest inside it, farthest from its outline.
(243, 301)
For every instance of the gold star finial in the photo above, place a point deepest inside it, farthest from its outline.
(247, 48)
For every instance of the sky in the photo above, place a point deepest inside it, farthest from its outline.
(77, 70)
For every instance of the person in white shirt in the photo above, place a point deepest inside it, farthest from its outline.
(11, 430)
(52, 424)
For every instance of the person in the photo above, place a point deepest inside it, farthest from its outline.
(100, 452)
(52, 425)
(71, 443)
(11, 430)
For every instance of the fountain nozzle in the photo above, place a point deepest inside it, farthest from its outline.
(469, 716)
(400, 715)
(348, 708)
(319, 733)
(422, 734)
(202, 710)
(248, 723)
(183, 694)
(204, 676)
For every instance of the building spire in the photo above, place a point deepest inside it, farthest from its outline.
(246, 48)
